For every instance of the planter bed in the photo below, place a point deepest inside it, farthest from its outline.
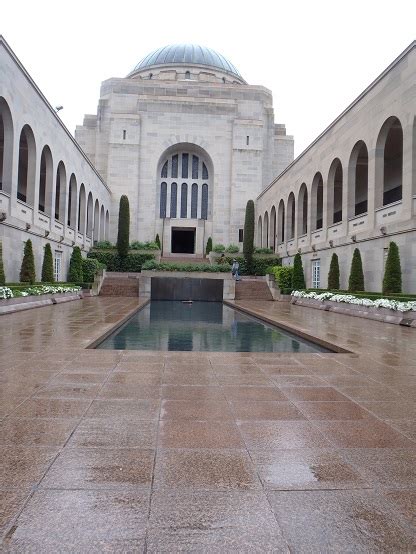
(368, 312)
(12, 305)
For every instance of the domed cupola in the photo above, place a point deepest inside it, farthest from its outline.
(188, 60)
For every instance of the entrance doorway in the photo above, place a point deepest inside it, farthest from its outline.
(183, 241)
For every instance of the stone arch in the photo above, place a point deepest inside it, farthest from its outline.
(281, 222)
(81, 209)
(303, 210)
(335, 188)
(317, 201)
(389, 163)
(266, 230)
(358, 180)
(6, 146)
(72, 202)
(60, 192)
(107, 225)
(96, 225)
(102, 223)
(291, 216)
(259, 233)
(27, 166)
(90, 215)
(45, 181)
(273, 228)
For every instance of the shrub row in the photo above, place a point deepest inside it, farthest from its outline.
(113, 262)
(259, 266)
(283, 276)
(206, 268)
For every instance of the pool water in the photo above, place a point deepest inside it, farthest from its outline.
(202, 326)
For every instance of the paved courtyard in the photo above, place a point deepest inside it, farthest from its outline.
(222, 452)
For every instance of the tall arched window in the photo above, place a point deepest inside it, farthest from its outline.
(192, 169)
(173, 199)
(90, 215)
(45, 181)
(335, 192)
(266, 230)
(389, 162)
(184, 200)
(281, 222)
(303, 210)
(60, 192)
(194, 201)
(96, 227)
(72, 202)
(81, 210)
(358, 180)
(6, 146)
(273, 228)
(260, 233)
(204, 202)
(291, 214)
(27, 166)
(163, 199)
(317, 202)
(102, 223)
(187, 74)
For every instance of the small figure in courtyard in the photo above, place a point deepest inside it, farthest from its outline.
(235, 270)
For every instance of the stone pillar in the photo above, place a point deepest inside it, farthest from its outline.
(408, 169)
(372, 184)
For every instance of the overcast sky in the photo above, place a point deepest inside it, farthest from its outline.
(315, 56)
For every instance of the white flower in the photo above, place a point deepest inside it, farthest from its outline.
(351, 299)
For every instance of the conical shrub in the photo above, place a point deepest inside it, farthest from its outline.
(123, 235)
(47, 265)
(157, 240)
(392, 281)
(208, 248)
(356, 280)
(75, 266)
(2, 275)
(27, 270)
(298, 277)
(333, 275)
(248, 239)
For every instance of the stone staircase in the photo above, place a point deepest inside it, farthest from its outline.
(252, 289)
(120, 284)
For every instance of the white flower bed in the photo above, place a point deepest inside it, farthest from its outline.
(6, 292)
(351, 299)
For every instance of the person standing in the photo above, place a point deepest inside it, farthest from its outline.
(235, 270)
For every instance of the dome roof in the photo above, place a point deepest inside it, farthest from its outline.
(187, 54)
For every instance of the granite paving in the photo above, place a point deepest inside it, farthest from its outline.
(142, 451)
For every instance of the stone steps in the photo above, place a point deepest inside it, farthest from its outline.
(252, 290)
(120, 286)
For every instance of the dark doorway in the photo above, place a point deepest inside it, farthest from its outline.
(183, 241)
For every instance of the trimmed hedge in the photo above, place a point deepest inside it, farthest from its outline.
(27, 270)
(356, 280)
(113, 262)
(208, 247)
(283, 276)
(90, 266)
(248, 237)
(298, 277)
(392, 281)
(333, 275)
(218, 248)
(137, 245)
(106, 244)
(47, 265)
(232, 249)
(206, 268)
(123, 227)
(75, 266)
(263, 251)
(259, 266)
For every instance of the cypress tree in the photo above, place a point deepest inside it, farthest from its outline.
(2, 275)
(157, 241)
(333, 275)
(298, 277)
(75, 266)
(123, 227)
(248, 240)
(356, 280)
(47, 266)
(208, 248)
(392, 281)
(27, 270)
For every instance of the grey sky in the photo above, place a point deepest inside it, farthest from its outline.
(315, 56)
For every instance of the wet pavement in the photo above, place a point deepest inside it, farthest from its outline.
(129, 451)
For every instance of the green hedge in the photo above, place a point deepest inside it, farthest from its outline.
(137, 245)
(90, 266)
(206, 268)
(113, 262)
(259, 266)
(283, 276)
(263, 251)
(218, 248)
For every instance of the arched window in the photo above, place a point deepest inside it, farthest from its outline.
(27, 166)
(60, 192)
(45, 181)
(187, 74)
(6, 146)
(335, 192)
(81, 210)
(102, 223)
(303, 210)
(107, 225)
(204, 202)
(194, 201)
(358, 179)
(193, 171)
(96, 220)
(173, 199)
(389, 162)
(163, 199)
(317, 202)
(184, 200)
